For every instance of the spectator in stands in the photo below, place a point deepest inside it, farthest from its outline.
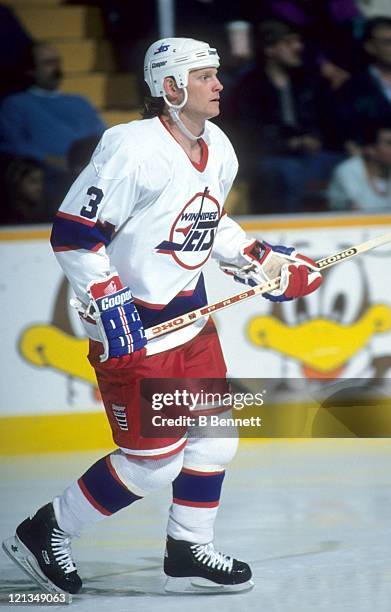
(41, 122)
(363, 182)
(328, 27)
(366, 97)
(23, 188)
(275, 107)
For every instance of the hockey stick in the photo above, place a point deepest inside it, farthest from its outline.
(195, 315)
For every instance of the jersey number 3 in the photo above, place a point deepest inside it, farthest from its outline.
(89, 211)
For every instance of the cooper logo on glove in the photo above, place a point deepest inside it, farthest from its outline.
(116, 316)
(117, 300)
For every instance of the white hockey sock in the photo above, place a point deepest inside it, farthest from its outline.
(112, 483)
(197, 489)
(73, 511)
(195, 502)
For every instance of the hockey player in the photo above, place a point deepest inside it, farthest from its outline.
(133, 235)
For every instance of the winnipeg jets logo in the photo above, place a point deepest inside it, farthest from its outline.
(161, 49)
(193, 232)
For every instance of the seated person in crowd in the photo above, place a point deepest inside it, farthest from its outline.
(328, 28)
(23, 193)
(42, 122)
(274, 107)
(363, 182)
(366, 97)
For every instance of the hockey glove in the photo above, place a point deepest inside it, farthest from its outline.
(116, 316)
(298, 274)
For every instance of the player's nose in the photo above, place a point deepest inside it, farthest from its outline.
(217, 85)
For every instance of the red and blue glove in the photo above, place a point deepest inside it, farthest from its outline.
(299, 275)
(116, 316)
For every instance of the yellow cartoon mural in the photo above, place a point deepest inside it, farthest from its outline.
(322, 347)
(55, 345)
(325, 339)
(329, 338)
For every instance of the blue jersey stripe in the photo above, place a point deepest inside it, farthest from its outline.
(67, 233)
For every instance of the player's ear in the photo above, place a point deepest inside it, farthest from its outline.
(170, 86)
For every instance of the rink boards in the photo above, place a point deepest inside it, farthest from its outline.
(49, 399)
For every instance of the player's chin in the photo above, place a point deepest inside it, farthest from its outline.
(214, 109)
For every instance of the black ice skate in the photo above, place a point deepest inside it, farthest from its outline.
(199, 568)
(43, 551)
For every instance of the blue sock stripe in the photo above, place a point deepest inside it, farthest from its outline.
(105, 489)
(203, 488)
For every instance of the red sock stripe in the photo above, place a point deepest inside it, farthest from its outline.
(195, 504)
(157, 455)
(200, 473)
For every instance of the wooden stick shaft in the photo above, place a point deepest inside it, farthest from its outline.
(195, 315)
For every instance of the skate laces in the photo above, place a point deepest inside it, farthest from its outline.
(61, 546)
(206, 554)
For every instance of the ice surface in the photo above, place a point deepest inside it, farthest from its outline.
(313, 519)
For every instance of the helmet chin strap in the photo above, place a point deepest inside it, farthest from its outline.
(174, 109)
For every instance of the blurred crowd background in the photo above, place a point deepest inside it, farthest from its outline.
(306, 100)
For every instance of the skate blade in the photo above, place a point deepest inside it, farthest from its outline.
(195, 584)
(23, 557)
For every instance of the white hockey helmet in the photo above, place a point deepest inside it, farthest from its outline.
(176, 57)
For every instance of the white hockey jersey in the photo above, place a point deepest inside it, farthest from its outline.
(143, 209)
